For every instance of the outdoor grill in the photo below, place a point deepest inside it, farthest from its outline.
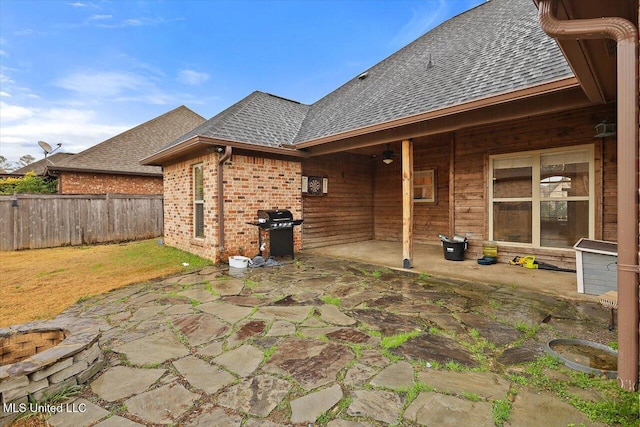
(279, 224)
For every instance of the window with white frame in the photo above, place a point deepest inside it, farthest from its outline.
(542, 198)
(198, 201)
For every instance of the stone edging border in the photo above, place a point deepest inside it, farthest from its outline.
(73, 361)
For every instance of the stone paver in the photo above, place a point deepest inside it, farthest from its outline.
(310, 362)
(380, 405)
(358, 374)
(293, 314)
(117, 421)
(230, 313)
(201, 328)
(121, 381)
(153, 349)
(433, 409)
(332, 314)
(274, 355)
(281, 328)
(437, 348)
(398, 375)
(548, 411)
(79, 413)
(179, 309)
(145, 313)
(199, 295)
(348, 423)
(310, 407)
(484, 384)
(242, 361)
(163, 405)
(228, 286)
(246, 331)
(258, 395)
(202, 375)
(217, 417)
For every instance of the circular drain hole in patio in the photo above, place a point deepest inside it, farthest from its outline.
(585, 356)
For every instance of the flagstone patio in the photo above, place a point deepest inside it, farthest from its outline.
(304, 343)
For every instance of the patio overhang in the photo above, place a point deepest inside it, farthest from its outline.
(551, 97)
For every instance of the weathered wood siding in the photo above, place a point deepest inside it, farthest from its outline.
(474, 146)
(45, 221)
(429, 218)
(345, 214)
(462, 161)
(609, 201)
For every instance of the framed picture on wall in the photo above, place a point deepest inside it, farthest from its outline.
(424, 185)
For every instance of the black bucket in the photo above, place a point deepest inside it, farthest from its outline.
(454, 251)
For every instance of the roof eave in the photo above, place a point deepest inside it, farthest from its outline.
(53, 169)
(549, 87)
(190, 145)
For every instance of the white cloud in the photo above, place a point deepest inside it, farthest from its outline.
(76, 129)
(135, 22)
(132, 22)
(191, 77)
(5, 94)
(102, 84)
(100, 17)
(5, 79)
(115, 86)
(11, 113)
(80, 4)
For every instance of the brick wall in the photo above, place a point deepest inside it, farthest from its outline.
(250, 183)
(178, 207)
(94, 183)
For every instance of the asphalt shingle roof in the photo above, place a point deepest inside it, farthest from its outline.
(122, 153)
(39, 166)
(260, 118)
(495, 48)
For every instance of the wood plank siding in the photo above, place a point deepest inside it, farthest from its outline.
(345, 213)
(430, 218)
(365, 195)
(474, 146)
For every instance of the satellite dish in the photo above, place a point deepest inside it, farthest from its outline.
(46, 147)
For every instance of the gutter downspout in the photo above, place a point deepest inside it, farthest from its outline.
(227, 154)
(626, 36)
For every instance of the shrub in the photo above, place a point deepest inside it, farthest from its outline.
(30, 183)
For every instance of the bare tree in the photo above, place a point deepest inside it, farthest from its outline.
(26, 160)
(5, 165)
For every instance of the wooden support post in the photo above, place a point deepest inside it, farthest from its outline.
(407, 203)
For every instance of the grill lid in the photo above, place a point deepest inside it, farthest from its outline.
(274, 215)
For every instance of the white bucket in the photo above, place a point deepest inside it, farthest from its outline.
(238, 261)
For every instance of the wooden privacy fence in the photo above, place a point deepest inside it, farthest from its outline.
(30, 221)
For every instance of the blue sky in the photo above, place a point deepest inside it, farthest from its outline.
(78, 72)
